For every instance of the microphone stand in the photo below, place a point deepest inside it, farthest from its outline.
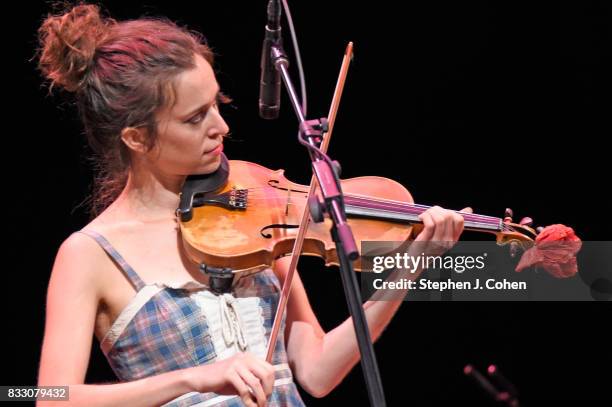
(327, 173)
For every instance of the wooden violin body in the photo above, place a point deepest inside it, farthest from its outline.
(252, 220)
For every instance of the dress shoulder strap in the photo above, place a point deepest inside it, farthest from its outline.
(127, 270)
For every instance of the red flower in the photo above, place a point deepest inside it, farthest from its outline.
(555, 251)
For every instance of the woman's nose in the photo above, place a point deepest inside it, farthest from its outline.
(219, 127)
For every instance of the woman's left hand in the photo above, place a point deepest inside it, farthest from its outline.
(441, 230)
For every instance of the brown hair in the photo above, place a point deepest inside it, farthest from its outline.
(121, 74)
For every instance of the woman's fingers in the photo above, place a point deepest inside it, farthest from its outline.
(265, 372)
(460, 221)
(254, 384)
(242, 388)
(457, 226)
(441, 226)
(428, 226)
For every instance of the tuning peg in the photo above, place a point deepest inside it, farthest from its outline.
(527, 221)
(508, 214)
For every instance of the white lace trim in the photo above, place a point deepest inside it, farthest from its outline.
(234, 324)
(126, 315)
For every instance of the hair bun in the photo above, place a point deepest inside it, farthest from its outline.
(68, 44)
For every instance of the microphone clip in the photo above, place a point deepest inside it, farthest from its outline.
(278, 57)
(313, 130)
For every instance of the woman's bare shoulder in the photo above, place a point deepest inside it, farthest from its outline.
(80, 254)
(78, 258)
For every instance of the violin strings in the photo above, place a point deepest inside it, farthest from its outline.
(467, 218)
(410, 208)
(384, 204)
(355, 197)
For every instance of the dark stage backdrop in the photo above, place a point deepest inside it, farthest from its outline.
(491, 105)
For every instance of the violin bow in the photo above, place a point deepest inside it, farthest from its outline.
(299, 240)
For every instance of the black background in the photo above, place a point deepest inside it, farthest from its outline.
(491, 105)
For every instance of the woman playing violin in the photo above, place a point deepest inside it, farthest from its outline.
(149, 100)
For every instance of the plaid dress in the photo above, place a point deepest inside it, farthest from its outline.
(164, 328)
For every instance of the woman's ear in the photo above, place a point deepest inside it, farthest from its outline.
(135, 138)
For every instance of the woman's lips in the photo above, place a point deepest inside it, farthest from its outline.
(216, 151)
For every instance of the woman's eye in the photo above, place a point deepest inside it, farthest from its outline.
(200, 116)
(197, 118)
(220, 99)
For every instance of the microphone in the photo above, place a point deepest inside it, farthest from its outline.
(270, 82)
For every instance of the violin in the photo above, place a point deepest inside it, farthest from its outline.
(253, 218)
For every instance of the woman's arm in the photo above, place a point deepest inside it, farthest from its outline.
(321, 360)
